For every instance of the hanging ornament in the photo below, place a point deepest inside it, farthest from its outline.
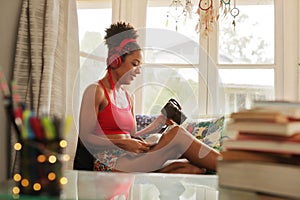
(225, 7)
(205, 5)
(207, 16)
(179, 12)
(167, 21)
(176, 10)
(234, 13)
(188, 10)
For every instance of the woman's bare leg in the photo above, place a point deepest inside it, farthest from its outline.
(190, 148)
(181, 166)
(175, 143)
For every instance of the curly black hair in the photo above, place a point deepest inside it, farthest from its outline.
(117, 32)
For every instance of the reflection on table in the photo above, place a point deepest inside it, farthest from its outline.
(141, 186)
(154, 186)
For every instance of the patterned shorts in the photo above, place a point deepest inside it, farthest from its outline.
(107, 159)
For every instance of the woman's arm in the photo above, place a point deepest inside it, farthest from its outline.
(154, 127)
(88, 122)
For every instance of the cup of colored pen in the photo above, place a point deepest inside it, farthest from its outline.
(41, 152)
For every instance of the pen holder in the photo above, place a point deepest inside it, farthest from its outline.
(40, 167)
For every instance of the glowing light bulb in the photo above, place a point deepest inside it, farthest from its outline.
(63, 143)
(18, 146)
(51, 176)
(17, 177)
(37, 187)
(65, 157)
(24, 182)
(52, 159)
(63, 180)
(41, 158)
(16, 190)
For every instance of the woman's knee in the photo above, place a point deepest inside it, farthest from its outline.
(176, 130)
(181, 137)
(172, 133)
(179, 132)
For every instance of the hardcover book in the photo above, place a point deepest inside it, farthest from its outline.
(273, 146)
(261, 127)
(242, 155)
(265, 177)
(285, 107)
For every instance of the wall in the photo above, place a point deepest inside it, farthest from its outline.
(9, 15)
(298, 51)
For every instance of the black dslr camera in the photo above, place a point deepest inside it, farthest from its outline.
(172, 110)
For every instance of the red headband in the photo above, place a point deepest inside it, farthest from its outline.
(124, 43)
(114, 55)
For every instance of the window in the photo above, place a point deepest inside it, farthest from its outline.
(171, 69)
(218, 74)
(91, 33)
(251, 41)
(246, 54)
(239, 67)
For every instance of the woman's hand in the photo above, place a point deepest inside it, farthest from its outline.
(135, 146)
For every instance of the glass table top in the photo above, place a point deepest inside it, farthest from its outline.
(139, 186)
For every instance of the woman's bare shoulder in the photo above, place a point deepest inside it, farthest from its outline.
(94, 90)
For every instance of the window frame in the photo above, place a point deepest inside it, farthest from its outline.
(210, 44)
(285, 67)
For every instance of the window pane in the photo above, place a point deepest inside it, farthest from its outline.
(242, 86)
(178, 44)
(92, 48)
(92, 28)
(164, 18)
(172, 55)
(252, 39)
(164, 83)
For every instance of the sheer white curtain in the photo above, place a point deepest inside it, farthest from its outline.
(133, 11)
(47, 58)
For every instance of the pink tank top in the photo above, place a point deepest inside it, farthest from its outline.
(115, 120)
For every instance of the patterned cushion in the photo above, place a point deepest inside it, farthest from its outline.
(143, 120)
(210, 131)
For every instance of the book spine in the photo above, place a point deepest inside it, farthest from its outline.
(276, 179)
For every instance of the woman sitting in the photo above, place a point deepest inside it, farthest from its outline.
(107, 122)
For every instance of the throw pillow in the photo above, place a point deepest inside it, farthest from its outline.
(143, 120)
(210, 131)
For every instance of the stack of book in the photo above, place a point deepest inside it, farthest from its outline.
(264, 156)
